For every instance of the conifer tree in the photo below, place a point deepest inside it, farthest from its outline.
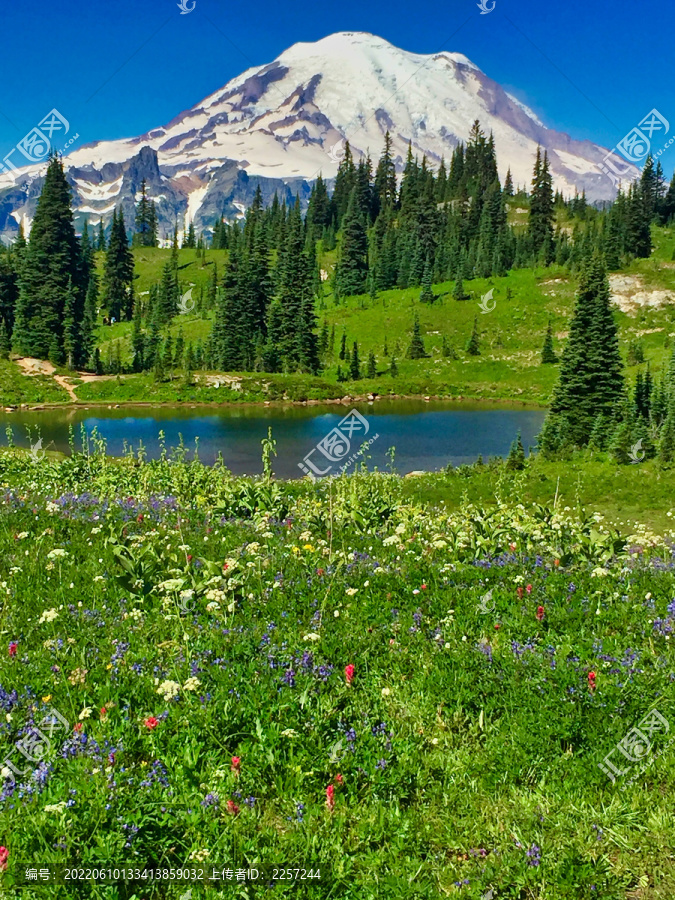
(372, 365)
(352, 265)
(137, 340)
(393, 368)
(541, 208)
(354, 367)
(385, 175)
(51, 276)
(416, 347)
(119, 268)
(427, 294)
(547, 353)
(4, 340)
(343, 345)
(516, 458)
(100, 244)
(473, 344)
(590, 381)
(508, 184)
(146, 221)
(666, 451)
(9, 288)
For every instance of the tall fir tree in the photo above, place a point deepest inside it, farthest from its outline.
(119, 268)
(590, 381)
(352, 265)
(52, 275)
(416, 348)
(547, 353)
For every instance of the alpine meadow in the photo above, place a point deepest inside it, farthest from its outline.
(446, 673)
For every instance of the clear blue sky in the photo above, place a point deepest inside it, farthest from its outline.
(590, 69)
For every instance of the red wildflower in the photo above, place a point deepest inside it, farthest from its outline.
(12, 648)
(497, 626)
(520, 593)
(78, 726)
(512, 546)
(349, 673)
(556, 562)
(139, 517)
(319, 571)
(591, 681)
(540, 612)
(529, 589)
(4, 856)
(151, 722)
(225, 566)
(423, 586)
(339, 779)
(236, 762)
(189, 558)
(232, 807)
(104, 712)
(330, 797)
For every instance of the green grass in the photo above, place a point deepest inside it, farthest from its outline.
(17, 388)
(469, 735)
(510, 341)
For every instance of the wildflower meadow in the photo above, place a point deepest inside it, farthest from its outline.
(206, 675)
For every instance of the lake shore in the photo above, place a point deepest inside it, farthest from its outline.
(346, 400)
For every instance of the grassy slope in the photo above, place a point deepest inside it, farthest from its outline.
(511, 336)
(493, 737)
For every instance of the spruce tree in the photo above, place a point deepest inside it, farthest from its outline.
(100, 243)
(119, 268)
(372, 365)
(354, 367)
(343, 345)
(416, 347)
(146, 221)
(352, 265)
(427, 294)
(666, 450)
(52, 275)
(541, 208)
(473, 344)
(547, 353)
(590, 381)
(137, 340)
(4, 340)
(516, 458)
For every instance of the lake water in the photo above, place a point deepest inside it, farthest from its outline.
(425, 436)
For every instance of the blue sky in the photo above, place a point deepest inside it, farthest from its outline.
(117, 69)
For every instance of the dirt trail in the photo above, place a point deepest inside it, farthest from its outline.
(33, 366)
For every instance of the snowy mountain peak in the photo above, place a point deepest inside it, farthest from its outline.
(281, 124)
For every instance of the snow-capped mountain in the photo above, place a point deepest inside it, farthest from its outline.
(281, 124)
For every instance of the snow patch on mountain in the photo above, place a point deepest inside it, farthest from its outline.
(281, 124)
